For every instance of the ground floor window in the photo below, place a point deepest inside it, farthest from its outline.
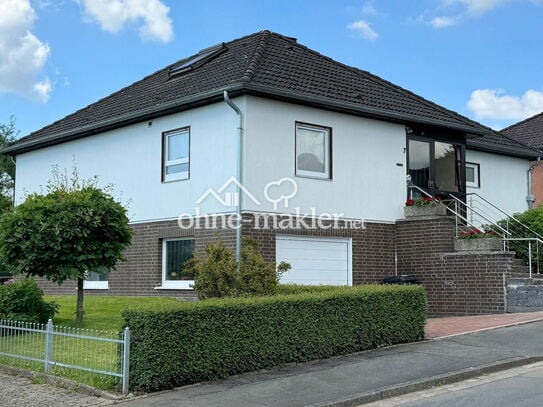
(175, 252)
(97, 279)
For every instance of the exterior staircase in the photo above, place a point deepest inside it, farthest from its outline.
(523, 284)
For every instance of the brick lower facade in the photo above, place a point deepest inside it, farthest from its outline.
(456, 283)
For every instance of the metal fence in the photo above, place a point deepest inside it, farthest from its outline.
(67, 351)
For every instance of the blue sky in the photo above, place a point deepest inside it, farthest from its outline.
(481, 58)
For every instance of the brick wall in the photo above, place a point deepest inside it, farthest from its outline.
(537, 185)
(142, 270)
(458, 283)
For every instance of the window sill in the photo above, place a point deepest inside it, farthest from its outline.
(95, 285)
(187, 286)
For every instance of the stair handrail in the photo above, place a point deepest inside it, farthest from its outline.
(508, 216)
(493, 223)
(455, 213)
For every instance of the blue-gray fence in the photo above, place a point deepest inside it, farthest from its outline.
(53, 347)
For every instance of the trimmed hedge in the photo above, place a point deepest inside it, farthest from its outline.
(208, 340)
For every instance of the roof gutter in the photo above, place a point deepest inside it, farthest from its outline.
(178, 105)
(353, 108)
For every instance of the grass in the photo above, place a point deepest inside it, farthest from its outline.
(102, 313)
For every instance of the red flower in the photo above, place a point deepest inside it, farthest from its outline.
(428, 199)
(409, 202)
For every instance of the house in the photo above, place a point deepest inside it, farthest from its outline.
(264, 137)
(530, 133)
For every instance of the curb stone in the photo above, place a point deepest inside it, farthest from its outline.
(428, 382)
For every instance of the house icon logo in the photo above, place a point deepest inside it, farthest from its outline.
(228, 198)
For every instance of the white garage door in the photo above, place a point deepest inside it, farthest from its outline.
(315, 260)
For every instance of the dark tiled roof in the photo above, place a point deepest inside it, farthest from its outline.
(529, 131)
(266, 64)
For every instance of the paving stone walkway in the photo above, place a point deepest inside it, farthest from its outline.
(443, 327)
(22, 392)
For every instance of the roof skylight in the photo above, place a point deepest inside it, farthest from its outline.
(199, 59)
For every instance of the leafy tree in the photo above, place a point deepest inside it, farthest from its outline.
(7, 166)
(73, 229)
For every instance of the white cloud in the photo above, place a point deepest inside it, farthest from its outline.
(151, 16)
(363, 28)
(477, 7)
(494, 104)
(369, 9)
(458, 11)
(22, 54)
(443, 22)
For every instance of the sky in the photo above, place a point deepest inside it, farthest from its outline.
(481, 58)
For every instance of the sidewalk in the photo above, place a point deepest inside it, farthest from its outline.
(444, 327)
(367, 376)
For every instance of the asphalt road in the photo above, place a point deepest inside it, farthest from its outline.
(520, 387)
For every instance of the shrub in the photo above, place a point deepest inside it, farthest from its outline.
(533, 219)
(212, 339)
(290, 289)
(217, 274)
(23, 301)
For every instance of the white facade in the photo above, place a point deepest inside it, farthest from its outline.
(503, 180)
(367, 182)
(130, 159)
(368, 167)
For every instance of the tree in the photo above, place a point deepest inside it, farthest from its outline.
(73, 229)
(7, 166)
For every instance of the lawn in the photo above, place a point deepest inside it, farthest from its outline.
(101, 312)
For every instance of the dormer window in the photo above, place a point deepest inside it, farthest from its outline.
(199, 59)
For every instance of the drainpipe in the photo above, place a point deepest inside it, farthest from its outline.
(239, 157)
(531, 198)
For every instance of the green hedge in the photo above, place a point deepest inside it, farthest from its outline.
(194, 342)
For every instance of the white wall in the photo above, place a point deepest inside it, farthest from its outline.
(367, 183)
(503, 180)
(130, 159)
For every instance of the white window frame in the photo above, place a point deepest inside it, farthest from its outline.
(170, 284)
(477, 175)
(327, 131)
(168, 163)
(96, 285)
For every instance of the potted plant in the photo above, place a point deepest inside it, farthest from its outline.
(424, 207)
(478, 240)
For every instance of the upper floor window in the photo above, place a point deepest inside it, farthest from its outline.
(313, 151)
(176, 154)
(473, 179)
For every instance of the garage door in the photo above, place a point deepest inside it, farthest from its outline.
(315, 260)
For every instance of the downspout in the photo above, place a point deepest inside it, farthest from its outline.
(530, 198)
(239, 157)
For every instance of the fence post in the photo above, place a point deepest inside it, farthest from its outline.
(126, 359)
(530, 256)
(48, 345)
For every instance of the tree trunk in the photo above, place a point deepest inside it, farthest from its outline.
(79, 306)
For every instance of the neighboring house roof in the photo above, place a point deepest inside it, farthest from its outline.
(269, 65)
(529, 131)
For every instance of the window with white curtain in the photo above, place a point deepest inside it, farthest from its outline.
(176, 155)
(313, 147)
